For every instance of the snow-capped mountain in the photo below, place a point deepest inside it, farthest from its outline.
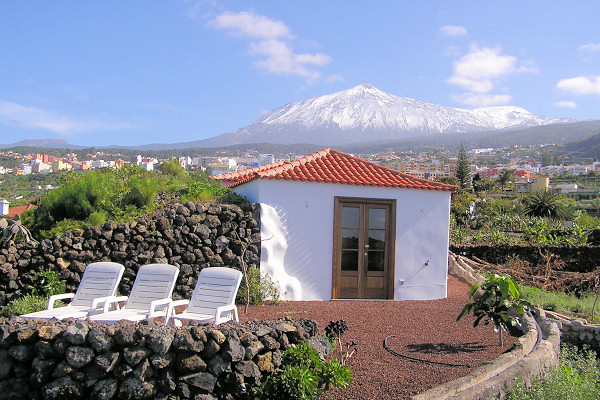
(365, 113)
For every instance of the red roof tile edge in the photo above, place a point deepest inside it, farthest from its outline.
(360, 172)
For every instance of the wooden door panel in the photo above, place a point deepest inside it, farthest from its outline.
(363, 258)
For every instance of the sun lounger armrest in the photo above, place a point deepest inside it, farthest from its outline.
(110, 300)
(55, 297)
(158, 303)
(220, 310)
(171, 309)
(98, 303)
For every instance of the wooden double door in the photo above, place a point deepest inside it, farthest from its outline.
(363, 255)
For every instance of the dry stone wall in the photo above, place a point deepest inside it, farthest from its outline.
(58, 360)
(189, 236)
(576, 258)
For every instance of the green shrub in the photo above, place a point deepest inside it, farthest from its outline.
(46, 283)
(577, 377)
(25, 305)
(97, 218)
(142, 192)
(261, 286)
(304, 375)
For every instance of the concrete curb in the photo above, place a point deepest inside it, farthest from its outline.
(528, 358)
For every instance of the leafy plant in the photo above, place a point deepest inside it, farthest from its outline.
(304, 375)
(46, 283)
(334, 332)
(261, 287)
(577, 377)
(544, 203)
(493, 301)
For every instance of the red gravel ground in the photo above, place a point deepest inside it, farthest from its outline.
(423, 329)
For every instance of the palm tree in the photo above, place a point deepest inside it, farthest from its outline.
(544, 204)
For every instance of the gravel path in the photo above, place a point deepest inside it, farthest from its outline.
(423, 329)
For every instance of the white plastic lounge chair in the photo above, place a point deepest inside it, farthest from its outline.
(213, 299)
(149, 297)
(99, 282)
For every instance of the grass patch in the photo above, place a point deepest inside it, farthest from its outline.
(25, 305)
(577, 377)
(562, 302)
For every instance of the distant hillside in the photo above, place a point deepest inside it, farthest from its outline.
(559, 134)
(588, 148)
(548, 134)
(42, 143)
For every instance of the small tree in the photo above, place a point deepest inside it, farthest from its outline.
(504, 177)
(493, 300)
(463, 170)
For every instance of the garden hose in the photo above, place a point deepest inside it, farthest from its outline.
(385, 346)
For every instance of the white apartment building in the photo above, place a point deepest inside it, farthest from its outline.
(264, 159)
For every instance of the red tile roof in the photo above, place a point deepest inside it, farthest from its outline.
(332, 166)
(18, 210)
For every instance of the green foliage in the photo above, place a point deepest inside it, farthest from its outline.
(544, 203)
(172, 168)
(24, 305)
(303, 375)
(493, 301)
(450, 180)
(561, 302)
(463, 170)
(203, 189)
(458, 233)
(142, 192)
(577, 377)
(461, 207)
(96, 218)
(262, 288)
(504, 177)
(46, 283)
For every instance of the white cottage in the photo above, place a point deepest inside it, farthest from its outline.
(335, 226)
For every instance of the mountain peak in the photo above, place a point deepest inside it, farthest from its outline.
(364, 113)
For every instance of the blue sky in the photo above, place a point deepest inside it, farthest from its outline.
(139, 72)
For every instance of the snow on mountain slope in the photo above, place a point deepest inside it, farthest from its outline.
(365, 113)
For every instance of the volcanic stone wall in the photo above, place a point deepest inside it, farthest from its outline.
(58, 360)
(189, 236)
(576, 258)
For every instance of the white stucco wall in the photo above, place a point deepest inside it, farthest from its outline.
(297, 220)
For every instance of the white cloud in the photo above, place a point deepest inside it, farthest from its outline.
(581, 85)
(271, 45)
(482, 99)
(453, 30)
(590, 47)
(31, 117)
(250, 25)
(478, 70)
(566, 104)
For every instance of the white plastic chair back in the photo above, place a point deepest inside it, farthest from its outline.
(153, 282)
(216, 287)
(100, 279)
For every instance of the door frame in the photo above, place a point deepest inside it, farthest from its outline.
(391, 243)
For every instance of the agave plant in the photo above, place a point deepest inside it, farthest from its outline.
(11, 228)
